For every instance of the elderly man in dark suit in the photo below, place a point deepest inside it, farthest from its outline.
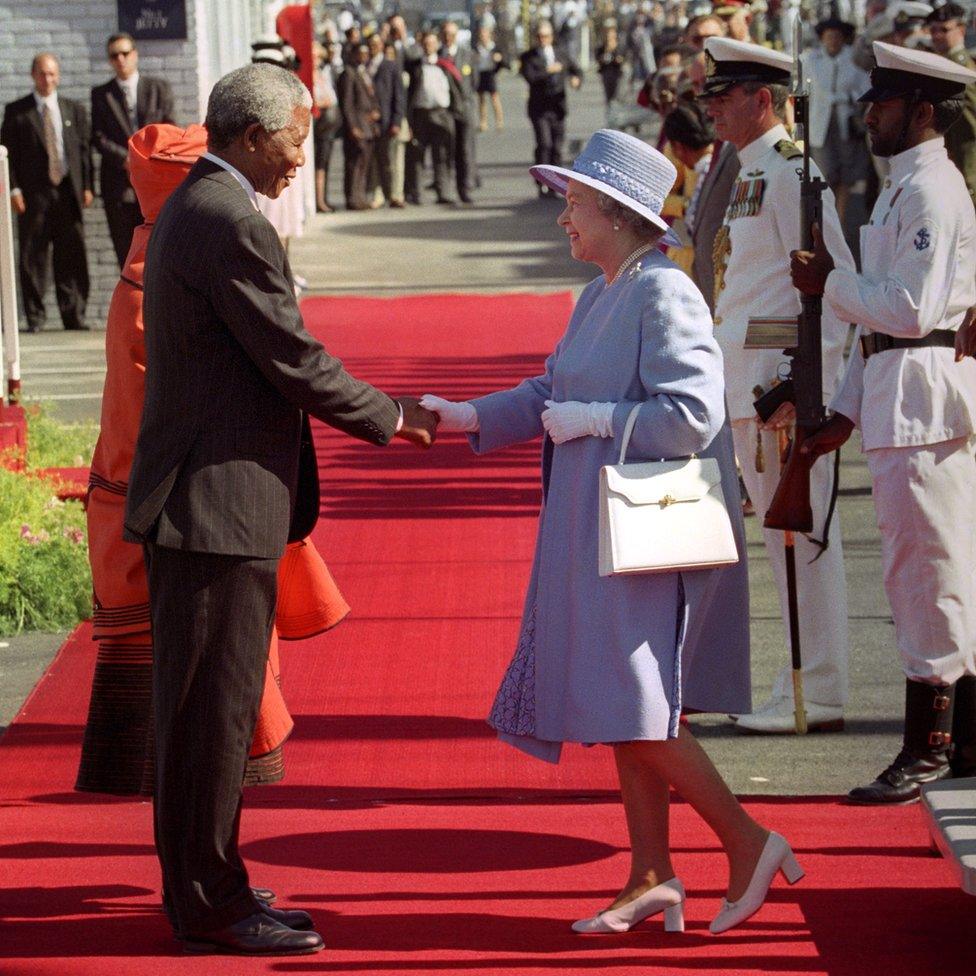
(224, 475)
(546, 67)
(47, 137)
(391, 96)
(121, 107)
(460, 61)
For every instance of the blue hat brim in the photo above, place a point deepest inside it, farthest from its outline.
(557, 178)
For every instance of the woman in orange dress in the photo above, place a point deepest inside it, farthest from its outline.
(117, 751)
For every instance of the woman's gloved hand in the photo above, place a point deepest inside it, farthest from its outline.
(572, 419)
(454, 416)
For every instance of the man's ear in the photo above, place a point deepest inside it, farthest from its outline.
(925, 115)
(253, 135)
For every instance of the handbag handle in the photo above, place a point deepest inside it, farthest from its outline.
(628, 430)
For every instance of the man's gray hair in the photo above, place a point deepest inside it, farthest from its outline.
(261, 93)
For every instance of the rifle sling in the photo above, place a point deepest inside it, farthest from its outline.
(879, 342)
(824, 544)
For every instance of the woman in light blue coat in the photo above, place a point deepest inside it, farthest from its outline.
(616, 659)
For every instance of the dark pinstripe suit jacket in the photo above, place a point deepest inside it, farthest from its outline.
(230, 372)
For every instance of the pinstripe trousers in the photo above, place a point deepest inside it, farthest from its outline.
(211, 622)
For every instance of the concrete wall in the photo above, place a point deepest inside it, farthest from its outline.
(219, 34)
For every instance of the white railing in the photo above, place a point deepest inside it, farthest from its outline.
(9, 338)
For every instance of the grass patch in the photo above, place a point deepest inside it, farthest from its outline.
(45, 579)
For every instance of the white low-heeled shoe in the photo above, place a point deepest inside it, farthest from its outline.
(776, 856)
(667, 897)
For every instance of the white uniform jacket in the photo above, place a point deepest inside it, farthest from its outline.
(918, 254)
(763, 225)
(834, 83)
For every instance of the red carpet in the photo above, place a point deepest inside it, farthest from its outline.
(397, 824)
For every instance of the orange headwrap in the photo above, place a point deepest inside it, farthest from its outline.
(160, 156)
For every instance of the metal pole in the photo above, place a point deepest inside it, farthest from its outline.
(10, 370)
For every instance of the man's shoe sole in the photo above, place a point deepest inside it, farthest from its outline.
(215, 949)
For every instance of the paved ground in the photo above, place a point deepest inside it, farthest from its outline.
(508, 240)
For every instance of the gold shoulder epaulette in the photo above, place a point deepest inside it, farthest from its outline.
(788, 149)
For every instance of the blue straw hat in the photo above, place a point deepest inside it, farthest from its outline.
(623, 167)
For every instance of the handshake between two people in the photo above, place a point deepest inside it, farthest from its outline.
(562, 421)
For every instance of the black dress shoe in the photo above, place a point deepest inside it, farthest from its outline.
(294, 919)
(902, 781)
(466, 198)
(256, 935)
(77, 327)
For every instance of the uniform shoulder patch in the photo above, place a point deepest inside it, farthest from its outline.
(788, 149)
(923, 239)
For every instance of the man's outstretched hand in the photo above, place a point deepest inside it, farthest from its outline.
(831, 436)
(419, 425)
(810, 269)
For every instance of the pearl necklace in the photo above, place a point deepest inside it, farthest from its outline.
(633, 256)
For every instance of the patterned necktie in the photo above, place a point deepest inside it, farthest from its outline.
(54, 171)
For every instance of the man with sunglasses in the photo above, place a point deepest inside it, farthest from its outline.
(120, 108)
(947, 28)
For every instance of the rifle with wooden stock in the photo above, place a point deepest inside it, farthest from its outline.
(790, 508)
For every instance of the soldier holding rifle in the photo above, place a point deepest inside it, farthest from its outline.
(746, 88)
(915, 405)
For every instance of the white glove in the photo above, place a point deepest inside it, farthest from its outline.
(454, 416)
(566, 421)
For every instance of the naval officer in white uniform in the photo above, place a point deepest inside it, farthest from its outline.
(915, 406)
(746, 94)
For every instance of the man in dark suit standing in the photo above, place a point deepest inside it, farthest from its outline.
(360, 126)
(47, 137)
(460, 62)
(224, 475)
(120, 107)
(546, 67)
(391, 97)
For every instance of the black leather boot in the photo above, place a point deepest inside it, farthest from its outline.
(924, 757)
(964, 728)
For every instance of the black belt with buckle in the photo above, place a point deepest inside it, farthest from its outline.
(879, 342)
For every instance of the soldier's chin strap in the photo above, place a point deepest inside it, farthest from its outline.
(910, 102)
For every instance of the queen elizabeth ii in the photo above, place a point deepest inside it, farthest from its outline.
(616, 659)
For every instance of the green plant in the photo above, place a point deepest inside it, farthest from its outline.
(53, 444)
(45, 579)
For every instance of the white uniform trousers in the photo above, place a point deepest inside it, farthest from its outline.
(821, 585)
(923, 497)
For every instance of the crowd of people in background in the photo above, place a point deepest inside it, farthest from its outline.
(408, 105)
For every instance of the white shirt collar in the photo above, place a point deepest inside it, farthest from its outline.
(751, 154)
(132, 82)
(51, 101)
(237, 174)
(909, 160)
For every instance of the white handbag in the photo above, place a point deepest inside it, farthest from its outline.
(663, 516)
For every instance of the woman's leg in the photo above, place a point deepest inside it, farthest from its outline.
(646, 798)
(483, 111)
(686, 766)
(496, 104)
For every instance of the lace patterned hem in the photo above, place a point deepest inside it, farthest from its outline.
(514, 709)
